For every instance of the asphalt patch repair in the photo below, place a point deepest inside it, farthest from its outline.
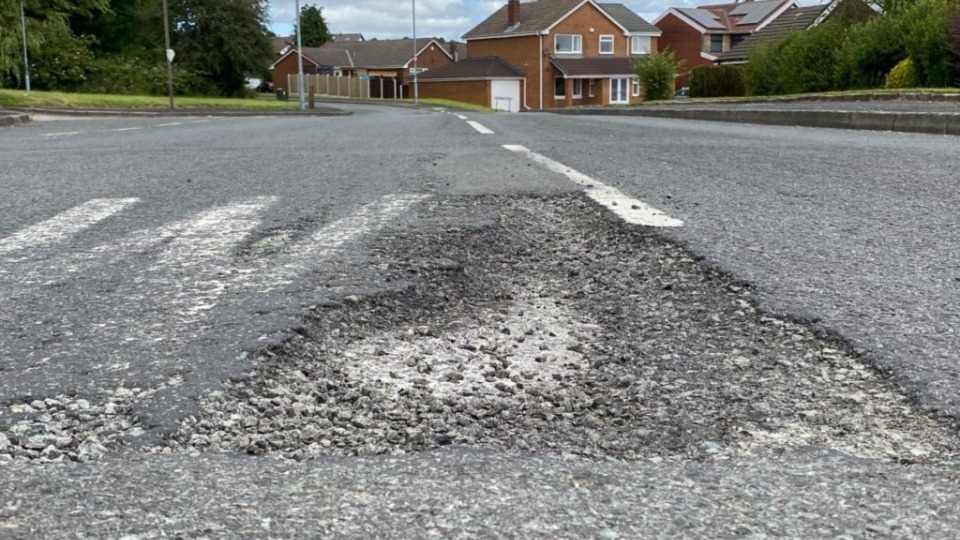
(557, 330)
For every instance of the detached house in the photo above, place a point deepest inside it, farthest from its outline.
(699, 36)
(560, 53)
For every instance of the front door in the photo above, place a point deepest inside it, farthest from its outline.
(618, 91)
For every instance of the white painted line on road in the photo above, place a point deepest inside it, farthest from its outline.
(127, 129)
(199, 121)
(480, 127)
(627, 208)
(61, 134)
(460, 116)
(170, 124)
(66, 224)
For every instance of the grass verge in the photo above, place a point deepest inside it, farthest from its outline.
(902, 93)
(34, 99)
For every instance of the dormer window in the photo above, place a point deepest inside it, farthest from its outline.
(568, 44)
(606, 44)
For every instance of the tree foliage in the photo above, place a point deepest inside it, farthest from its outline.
(657, 73)
(313, 27)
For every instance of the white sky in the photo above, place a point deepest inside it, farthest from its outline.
(449, 19)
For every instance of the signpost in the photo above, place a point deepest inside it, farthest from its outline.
(26, 59)
(169, 51)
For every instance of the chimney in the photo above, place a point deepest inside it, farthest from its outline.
(513, 13)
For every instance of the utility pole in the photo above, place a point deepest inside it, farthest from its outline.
(26, 59)
(416, 87)
(168, 52)
(299, 59)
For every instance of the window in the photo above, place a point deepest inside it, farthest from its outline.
(592, 88)
(635, 87)
(606, 44)
(568, 43)
(640, 45)
(716, 43)
(560, 88)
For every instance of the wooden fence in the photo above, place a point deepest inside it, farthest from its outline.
(349, 87)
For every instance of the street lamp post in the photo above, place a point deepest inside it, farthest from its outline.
(26, 59)
(168, 52)
(299, 59)
(416, 87)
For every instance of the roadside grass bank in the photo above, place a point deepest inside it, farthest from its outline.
(19, 99)
(914, 94)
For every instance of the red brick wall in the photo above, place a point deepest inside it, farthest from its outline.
(476, 92)
(288, 66)
(522, 52)
(431, 58)
(685, 42)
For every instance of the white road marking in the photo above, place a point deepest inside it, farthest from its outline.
(170, 124)
(480, 127)
(199, 121)
(627, 208)
(66, 224)
(127, 129)
(61, 134)
(460, 116)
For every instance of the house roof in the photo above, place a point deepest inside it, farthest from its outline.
(479, 67)
(385, 53)
(734, 18)
(540, 15)
(628, 19)
(329, 54)
(789, 21)
(281, 44)
(590, 67)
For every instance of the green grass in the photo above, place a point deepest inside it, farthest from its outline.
(23, 100)
(844, 93)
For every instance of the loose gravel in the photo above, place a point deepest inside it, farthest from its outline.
(556, 329)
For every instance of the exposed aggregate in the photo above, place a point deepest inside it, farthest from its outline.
(560, 331)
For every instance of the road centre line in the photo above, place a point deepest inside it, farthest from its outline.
(480, 127)
(65, 224)
(61, 134)
(127, 129)
(170, 124)
(460, 116)
(627, 208)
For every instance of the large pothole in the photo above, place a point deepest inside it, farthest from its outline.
(559, 331)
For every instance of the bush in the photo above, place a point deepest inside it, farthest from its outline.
(717, 81)
(761, 76)
(903, 75)
(923, 26)
(657, 73)
(869, 51)
(808, 60)
(953, 44)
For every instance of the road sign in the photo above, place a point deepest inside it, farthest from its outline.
(170, 55)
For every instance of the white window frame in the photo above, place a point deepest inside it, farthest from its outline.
(635, 39)
(576, 83)
(576, 44)
(592, 87)
(635, 87)
(607, 38)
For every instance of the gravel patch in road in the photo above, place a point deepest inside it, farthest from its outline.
(560, 331)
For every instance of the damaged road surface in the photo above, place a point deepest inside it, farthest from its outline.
(485, 354)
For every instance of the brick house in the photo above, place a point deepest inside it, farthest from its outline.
(699, 36)
(390, 58)
(571, 52)
(488, 81)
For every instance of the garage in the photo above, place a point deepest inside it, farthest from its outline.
(488, 81)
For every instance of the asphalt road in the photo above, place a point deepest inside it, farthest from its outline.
(146, 262)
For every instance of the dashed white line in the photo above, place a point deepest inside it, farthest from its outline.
(480, 127)
(127, 129)
(170, 124)
(61, 134)
(61, 226)
(627, 208)
(460, 116)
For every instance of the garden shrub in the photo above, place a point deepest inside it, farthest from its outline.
(923, 26)
(717, 81)
(761, 76)
(657, 73)
(868, 52)
(903, 75)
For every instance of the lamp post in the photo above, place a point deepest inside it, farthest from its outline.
(168, 52)
(299, 59)
(416, 87)
(26, 59)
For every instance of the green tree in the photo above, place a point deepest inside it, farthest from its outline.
(47, 26)
(657, 73)
(222, 41)
(314, 32)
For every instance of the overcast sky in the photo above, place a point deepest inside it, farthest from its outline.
(448, 19)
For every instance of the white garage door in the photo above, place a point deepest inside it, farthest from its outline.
(505, 96)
